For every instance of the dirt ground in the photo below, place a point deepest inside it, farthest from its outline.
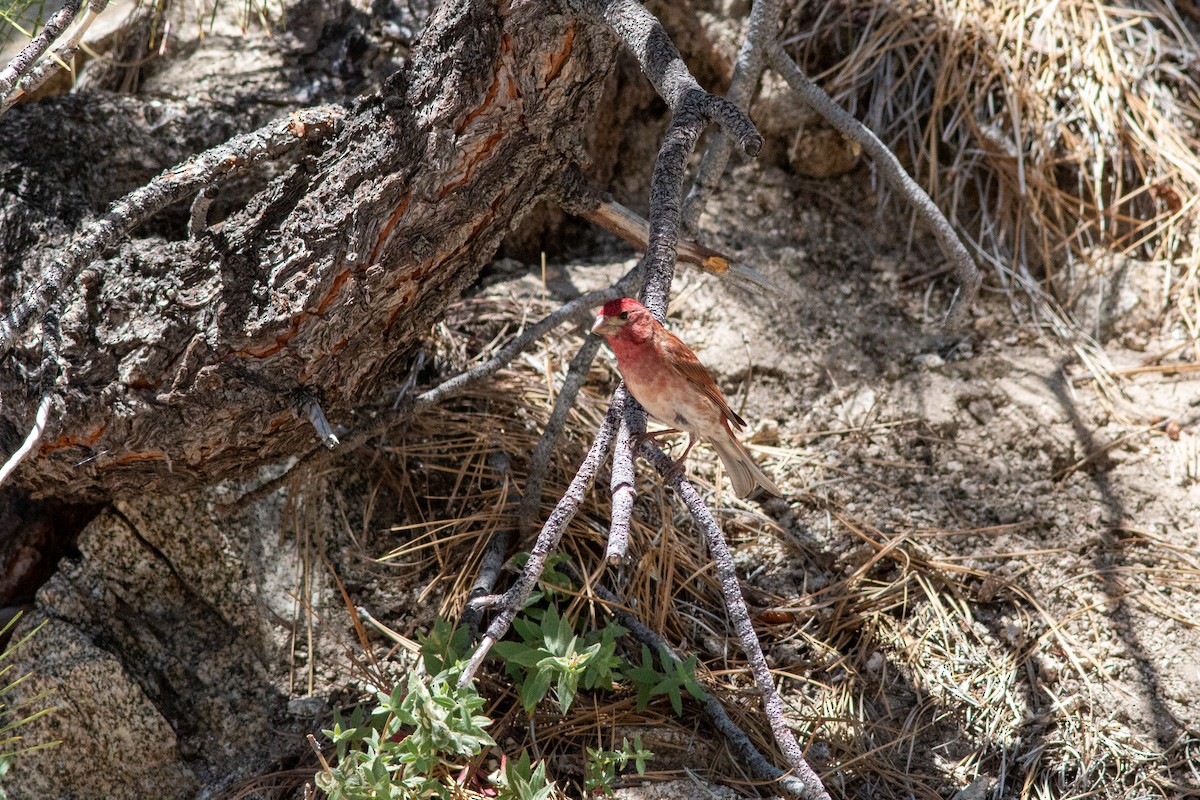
(987, 567)
(991, 563)
(1047, 645)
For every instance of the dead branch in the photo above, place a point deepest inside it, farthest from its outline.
(188, 355)
(891, 170)
(512, 601)
(735, 606)
(405, 407)
(492, 561)
(49, 67)
(35, 433)
(581, 198)
(38, 45)
(172, 186)
(761, 33)
(692, 109)
(743, 749)
(622, 484)
(539, 461)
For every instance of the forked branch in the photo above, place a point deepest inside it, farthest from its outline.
(692, 109)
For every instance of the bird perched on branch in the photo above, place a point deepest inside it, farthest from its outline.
(664, 375)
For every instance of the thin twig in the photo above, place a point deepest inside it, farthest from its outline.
(506, 354)
(893, 173)
(492, 562)
(35, 433)
(739, 615)
(173, 185)
(743, 749)
(443, 391)
(539, 461)
(580, 197)
(38, 45)
(49, 67)
(622, 484)
(514, 599)
(761, 32)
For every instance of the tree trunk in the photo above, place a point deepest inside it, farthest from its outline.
(188, 360)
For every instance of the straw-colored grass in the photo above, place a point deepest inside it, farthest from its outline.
(914, 673)
(1050, 132)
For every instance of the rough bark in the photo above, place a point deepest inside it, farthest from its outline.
(190, 360)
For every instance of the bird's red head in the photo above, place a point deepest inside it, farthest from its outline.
(622, 316)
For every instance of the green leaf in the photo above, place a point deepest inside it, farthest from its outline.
(535, 688)
(644, 678)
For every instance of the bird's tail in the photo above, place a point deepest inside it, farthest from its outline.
(745, 475)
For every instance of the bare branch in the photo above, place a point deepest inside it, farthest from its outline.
(38, 45)
(38, 76)
(35, 433)
(743, 749)
(173, 185)
(761, 32)
(444, 390)
(579, 196)
(539, 462)
(645, 38)
(506, 354)
(492, 561)
(512, 601)
(692, 108)
(890, 169)
(623, 482)
(739, 615)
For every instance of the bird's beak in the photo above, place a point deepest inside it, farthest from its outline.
(606, 326)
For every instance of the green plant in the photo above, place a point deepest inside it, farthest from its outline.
(602, 765)
(444, 646)
(676, 675)
(521, 780)
(550, 653)
(410, 745)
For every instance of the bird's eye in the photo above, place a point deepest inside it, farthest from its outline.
(624, 315)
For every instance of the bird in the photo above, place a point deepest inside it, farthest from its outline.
(665, 376)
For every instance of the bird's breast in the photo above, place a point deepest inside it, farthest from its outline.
(668, 396)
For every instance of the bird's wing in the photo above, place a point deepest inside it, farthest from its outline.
(683, 359)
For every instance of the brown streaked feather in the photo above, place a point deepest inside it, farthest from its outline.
(681, 357)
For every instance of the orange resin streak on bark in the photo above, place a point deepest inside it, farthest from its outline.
(280, 342)
(556, 60)
(384, 234)
(71, 440)
(332, 294)
(488, 100)
(481, 152)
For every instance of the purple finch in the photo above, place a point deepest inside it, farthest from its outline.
(664, 375)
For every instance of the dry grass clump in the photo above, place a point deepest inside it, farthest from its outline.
(912, 674)
(1048, 132)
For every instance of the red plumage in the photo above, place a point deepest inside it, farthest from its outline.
(664, 375)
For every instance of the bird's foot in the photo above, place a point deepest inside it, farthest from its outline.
(656, 435)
